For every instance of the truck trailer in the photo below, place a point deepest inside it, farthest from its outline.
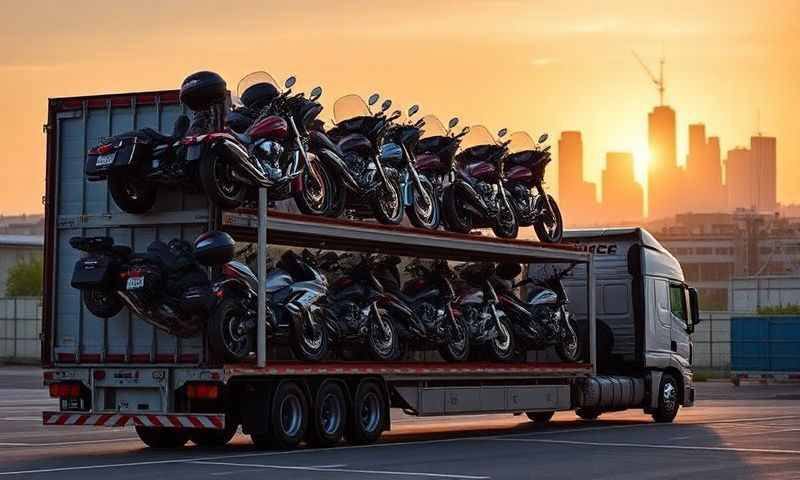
(634, 312)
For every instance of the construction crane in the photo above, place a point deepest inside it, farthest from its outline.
(659, 81)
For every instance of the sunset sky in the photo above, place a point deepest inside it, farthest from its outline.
(541, 66)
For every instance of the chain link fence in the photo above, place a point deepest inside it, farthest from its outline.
(20, 329)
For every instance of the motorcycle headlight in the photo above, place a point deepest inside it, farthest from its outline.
(270, 150)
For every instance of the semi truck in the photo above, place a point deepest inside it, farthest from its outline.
(634, 312)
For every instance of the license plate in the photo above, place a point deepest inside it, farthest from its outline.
(307, 299)
(105, 160)
(135, 283)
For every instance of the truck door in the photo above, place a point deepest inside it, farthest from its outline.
(662, 322)
(679, 311)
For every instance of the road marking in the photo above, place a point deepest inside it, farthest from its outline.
(767, 432)
(346, 470)
(650, 445)
(247, 470)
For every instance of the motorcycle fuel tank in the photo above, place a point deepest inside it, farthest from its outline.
(519, 173)
(239, 270)
(543, 296)
(272, 127)
(391, 153)
(355, 142)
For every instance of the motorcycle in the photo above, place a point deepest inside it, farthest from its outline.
(273, 127)
(524, 178)
(543, 320)
(354, 308)
(476, 195)
(489, 327)
(294, 289)
(167, 286)
(354, 147)
(419, 196)
(423, 308)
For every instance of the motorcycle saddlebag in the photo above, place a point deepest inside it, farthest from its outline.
(92, 270)
(118, 153)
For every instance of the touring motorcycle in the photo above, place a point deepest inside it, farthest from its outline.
(364, 183)
(476, 196)
(524, 179)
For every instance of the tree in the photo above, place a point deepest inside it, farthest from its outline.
(25, 278)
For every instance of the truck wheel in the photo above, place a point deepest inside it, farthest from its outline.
(288, 416)
(367, 415)
(157, 437)
(132, 194)
(101, 302)
(540, 417)
(668, 398)
(588, 413)
(206, 437)
(329, 416)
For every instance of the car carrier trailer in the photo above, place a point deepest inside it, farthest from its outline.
(123, 372)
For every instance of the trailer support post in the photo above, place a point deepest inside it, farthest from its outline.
(591, 313)
(261, 328)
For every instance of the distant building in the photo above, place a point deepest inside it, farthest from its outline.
(704, 172)
(577, 197)
(664, 177)
(763, 156)
(622, 195)
(22, 224)
(739, 178)
(15, 249)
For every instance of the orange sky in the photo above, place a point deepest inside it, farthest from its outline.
(533, 65)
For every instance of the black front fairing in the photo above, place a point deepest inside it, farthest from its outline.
(367, 125)
(407, 135)
(535, 160)
(478, 153)
(442, 146)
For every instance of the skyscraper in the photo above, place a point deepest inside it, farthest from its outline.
(663, 172)
(704, 172)
(577, 197)
(738, 179)
(763, 157)
(622, 195)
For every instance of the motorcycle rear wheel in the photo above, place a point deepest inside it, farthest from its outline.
(220, 187)
(388, 203)
(226, 337)
(132, 194)
(101, 302)
(456, 348)
(456, 218)
(551, 232)
(315, 199)
(309, 342)
(427, 218)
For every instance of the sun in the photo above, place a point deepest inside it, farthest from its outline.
(641, 161)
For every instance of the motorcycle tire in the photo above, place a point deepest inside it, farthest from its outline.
(456, 218)
(338, 198)
(456, 349)
(101, 302)
(132, 194)
(509, 230)
(383, 340)
(555, 232)
(309, 344)
(309, 201)
(502, 347)
(569, 348)
(389, 214)
(222, 190)
(225, 337)
(430, 218)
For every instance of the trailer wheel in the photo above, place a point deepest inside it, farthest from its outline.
(329, 416)
(367, 413)
(204, 437)
(161, 438)
(668, 399)
(588, 413)
(288, 417)
(540, 417)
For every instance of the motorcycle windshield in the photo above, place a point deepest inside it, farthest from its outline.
(520, 142)
(432, 127)
(478, 135)
(349, 106)
(255, 78)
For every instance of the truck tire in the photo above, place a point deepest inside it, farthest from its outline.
(162, 438)
(205, 437)
(668, 400)
(288, 417)
(367, 414)
(329, 416)
(588, 413)
(540, 417)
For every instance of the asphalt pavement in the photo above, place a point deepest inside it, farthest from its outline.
(752, 431)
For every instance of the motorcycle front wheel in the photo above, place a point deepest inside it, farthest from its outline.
(506, 226)
(421, 215)
(132, 194)
(216, 177)
(569, 348)
(229, 337)
(501, 347)
(456, 347)
(383, 340)
(388, 203)
(309, 337)
(456, 217)
(101, 302)
(549, 226)
(316, 197)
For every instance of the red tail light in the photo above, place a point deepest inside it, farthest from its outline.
(104, 149)
(65, 390)
(202, 391)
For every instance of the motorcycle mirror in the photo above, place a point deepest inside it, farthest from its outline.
(420, 123)
(546, 149)
(315, 93)
(465, 130)
(386, 105)
(289, 83)
(453, 122)
(543, 138)
(373, 99)
(502, 132)
(397, 113)
(413, 110)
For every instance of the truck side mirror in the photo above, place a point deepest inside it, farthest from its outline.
(694, 308)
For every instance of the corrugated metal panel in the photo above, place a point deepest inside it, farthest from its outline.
(765, 344)
(84, 208)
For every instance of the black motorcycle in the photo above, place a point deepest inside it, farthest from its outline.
(489, 328)
(476, 196)
(365, 185)
(294, 288)
(543, 320)
(524, 180)
(166, 286)
(423, 308)
(355, 312)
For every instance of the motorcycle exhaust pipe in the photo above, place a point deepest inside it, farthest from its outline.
(240, 159)
(472, 197)
(341, 168)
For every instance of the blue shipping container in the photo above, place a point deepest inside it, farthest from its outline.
(765, 344)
